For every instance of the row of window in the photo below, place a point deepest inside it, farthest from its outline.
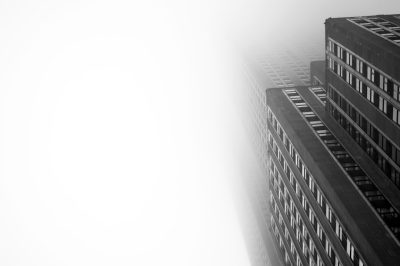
(386, 211)
(314, 188)
(279, 238)
(370, 94)
(277, 75)
(320, 93)
(296, 222)
(386, 146)
(257, 108)
(382, 27)
(378, 201)
(294, 227)
(377, 77)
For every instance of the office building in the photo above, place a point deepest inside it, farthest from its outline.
(363, 58)
(326, 207)
(334, 157)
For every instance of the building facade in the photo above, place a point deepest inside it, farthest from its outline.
(334, 151)
(363, 79)
(278, 68)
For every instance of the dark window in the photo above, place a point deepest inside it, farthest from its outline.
(390, 87)
(389, 109)
(382, 142)
(353, 64)
(377, 78)
(364, 90)
(353, 83)
(376, 99)
(365, 70)
(335, 48)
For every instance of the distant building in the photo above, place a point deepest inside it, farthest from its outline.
(278, 68)
(317, 73)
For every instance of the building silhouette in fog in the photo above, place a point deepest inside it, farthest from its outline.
(334, 150)
(282, 67)
(330, 149)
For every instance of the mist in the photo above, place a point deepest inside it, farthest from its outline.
(120, 137)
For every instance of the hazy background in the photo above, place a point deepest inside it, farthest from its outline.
(118, 132)
(265, 24)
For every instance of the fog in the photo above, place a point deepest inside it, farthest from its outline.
(119, 136)
(264, 23)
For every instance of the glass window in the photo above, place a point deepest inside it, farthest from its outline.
(359, 66)
(382, 104)
(370, 95)
(368, 73)
(396, 92)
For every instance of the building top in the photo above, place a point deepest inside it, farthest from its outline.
(377, 244)
(386, 27)
(288, 65)
(374, 38)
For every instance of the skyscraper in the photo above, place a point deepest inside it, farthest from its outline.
(281, 67)
(334, 158)
(363, 57)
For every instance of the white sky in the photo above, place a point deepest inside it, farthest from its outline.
(112, 139)
(262, 22)
(116, 129)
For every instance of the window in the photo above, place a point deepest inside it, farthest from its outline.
(349, 59)
(383, 83)
(297, 160)
(350, 249)
(297, 217)
(330, 46)
(319, 261)
(370, 95)
(338, 230)
(303, 171)
(328, 248)
(319, 231)
(352, 252)
(349, 77)
(340, 71)
(382, 105)
(311, 185)
(286, 257)
(340, 52)
(396, 116)
(359, 66)
(311, 216)
(328, 213)
(359, 85)
(319, 197)
(304, 248)
(396, 92)
(292, 221)
(371, 74)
